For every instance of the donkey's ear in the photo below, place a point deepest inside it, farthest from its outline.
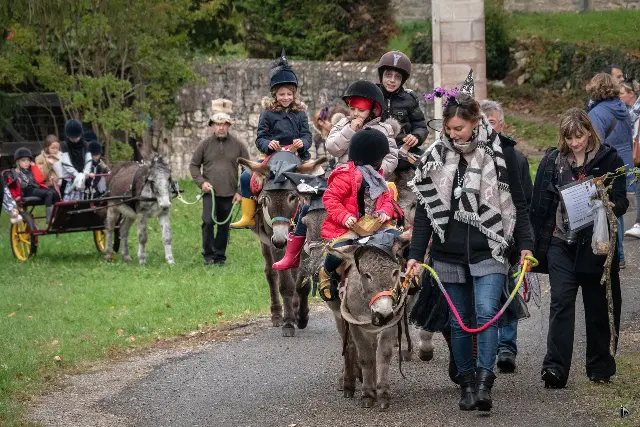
(402, 241)
(345, 253)
(309, 167)
(261, 169)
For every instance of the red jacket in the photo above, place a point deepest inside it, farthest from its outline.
(341, 200)
(14, 184)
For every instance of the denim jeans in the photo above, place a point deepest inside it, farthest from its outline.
(507, 336)
(620, 239)
(301, 228)
(487, 290)
(245, 182)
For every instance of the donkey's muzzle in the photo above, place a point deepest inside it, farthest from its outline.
(380, 319)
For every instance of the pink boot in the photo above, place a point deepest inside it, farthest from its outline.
(291, 258)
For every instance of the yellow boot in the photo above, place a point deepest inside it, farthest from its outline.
(248, 212)
(329, 284)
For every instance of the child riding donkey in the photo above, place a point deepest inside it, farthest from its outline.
(365, 101)
(283, 125)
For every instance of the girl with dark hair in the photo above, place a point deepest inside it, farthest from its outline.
(566, 255)
(471, 205)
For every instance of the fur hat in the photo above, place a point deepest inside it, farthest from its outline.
(221, 111)
(95, 148)
(73, 129)
(22, 152)
(281, 73)
(368, 146)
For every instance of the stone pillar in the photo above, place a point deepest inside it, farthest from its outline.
(458, 44)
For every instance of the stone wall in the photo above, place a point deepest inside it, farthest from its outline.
(407, 10)
(245, 82)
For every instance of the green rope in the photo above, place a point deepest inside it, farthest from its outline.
(234, 209)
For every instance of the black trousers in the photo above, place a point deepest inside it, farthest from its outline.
(47, 195)
(564, 288)
(214, 245)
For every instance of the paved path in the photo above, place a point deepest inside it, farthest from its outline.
(258, 378)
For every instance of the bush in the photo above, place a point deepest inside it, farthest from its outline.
(421, 47)
(497, 39)
(119, 152)
(331, 30)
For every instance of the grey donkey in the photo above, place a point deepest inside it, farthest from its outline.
(149, 183)
(372, 331)
(276, 209)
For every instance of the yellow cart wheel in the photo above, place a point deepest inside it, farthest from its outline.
(24, 245)
(100, 239)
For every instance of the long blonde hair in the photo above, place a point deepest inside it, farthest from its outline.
(575, 123)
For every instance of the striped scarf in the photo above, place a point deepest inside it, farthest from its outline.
(485, 202)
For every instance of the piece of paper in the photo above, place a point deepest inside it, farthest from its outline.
(578, 203)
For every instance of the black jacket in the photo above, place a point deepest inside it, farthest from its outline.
(546, 197)
(284, 126)
(464, 243)
(403, 106)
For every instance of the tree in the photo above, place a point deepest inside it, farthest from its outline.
(357, 30)
(113, 63)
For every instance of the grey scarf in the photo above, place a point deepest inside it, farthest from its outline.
(377, 184)
(485, 200)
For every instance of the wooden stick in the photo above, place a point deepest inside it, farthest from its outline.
(606, 275)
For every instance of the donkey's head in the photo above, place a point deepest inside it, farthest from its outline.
(379, 268)
(278, 205)
(158, 182)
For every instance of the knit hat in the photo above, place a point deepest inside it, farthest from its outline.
(73, 129)
(368, 146)
(22, 152)
(221, 110)
(95, 148)
(281, 73)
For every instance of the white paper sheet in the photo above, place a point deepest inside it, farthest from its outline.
(577, 201)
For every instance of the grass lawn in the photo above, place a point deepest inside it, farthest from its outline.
(534, 134)
(408, 29)
(610, 28)
(67, 306)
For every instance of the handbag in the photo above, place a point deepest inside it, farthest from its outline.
(636, 150)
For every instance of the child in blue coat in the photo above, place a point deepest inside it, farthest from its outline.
(282, 125)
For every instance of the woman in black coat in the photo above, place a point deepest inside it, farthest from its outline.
(567, 256)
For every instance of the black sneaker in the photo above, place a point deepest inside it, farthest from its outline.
(218, 262)
(600, 380)
(208, 261)
(506, 362)
(623, 265)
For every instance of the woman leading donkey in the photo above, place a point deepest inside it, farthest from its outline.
(471, 202)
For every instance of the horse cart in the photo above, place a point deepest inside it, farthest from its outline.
(66, 217)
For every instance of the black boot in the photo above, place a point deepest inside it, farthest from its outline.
(467, 392)
(553, 379)
(484, 383)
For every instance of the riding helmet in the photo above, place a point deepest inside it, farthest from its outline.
(73, 129)
(365, 89)
(281, 73)
(95, 148)
(22, 152)
(395, 60)
(368, 146)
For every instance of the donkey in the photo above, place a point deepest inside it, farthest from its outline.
(149, 186)
(277, 205)
(370, 312)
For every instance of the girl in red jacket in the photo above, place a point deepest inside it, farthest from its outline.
(26, 180)
(355, 189)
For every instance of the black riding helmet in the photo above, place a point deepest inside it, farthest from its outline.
(281, 73)
(21, 153)
(365, 89)
(73, 129)
(95, 148)
(368, 147)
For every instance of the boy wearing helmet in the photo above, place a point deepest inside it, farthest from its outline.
(365, 101)
(394, 68)
(282, 124)
(354, 190)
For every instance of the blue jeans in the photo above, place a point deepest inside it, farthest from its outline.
(620, 239)
(245, 182)
(301, 228)
(487, 290)
(507, 336)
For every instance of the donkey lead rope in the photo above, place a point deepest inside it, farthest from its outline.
(525, 268)
(234, 209)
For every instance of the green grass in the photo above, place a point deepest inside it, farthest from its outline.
(68, 303)
(611, 28)
(536, 134)
(407, 31)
